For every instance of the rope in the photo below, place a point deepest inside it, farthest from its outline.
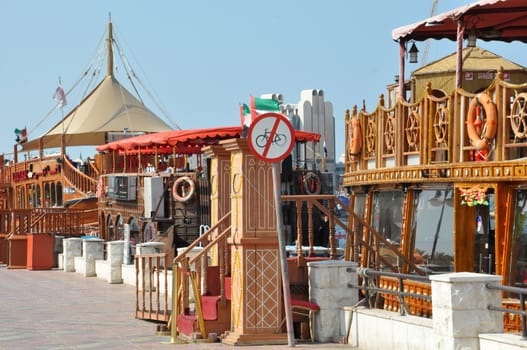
(82, 77)
(136, 77)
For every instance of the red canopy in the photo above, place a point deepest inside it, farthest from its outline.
(489, 20)
(185, 141)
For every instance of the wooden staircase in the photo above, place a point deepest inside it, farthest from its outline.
(208, 316)
(215, 308)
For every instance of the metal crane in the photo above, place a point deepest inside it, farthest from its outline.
(427, 41)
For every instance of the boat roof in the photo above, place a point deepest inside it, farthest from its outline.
(491, 20)
(185, 141)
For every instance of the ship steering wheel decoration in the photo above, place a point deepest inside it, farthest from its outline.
(441, 124)
(518, 116)
(389, 134)
(412, 130)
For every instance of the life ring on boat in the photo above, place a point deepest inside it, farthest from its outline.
(311, 182)
(183, 189)
(355, 143)
(482, 129)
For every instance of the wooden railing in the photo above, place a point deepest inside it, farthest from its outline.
(59, 221)
(78, 179)
(151, 287)
(432, 131)
(310, 202)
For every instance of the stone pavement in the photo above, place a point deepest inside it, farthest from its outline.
(64, 310)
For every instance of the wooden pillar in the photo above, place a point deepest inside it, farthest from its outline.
(257, 301)
(220, 201)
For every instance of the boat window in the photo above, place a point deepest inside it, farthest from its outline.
(47, 194)
(120, 228)
(109, 226)
(433, 227)
(21, 197)
(358, 208)
(31, 196)
(148, 232)
(134, 231)
(387, 214)
(53, 195)
(518, 258)
(59, 194)
(38, 203)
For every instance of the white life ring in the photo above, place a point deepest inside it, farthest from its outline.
(183, 189)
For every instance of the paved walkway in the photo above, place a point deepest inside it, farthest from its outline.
(63, 310)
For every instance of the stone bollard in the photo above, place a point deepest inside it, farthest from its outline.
(328, 287)
(71, 248)
(114, 250)
(459, 309)
(92, 249)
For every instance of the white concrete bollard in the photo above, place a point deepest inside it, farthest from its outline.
(328, 288)
(71, 248)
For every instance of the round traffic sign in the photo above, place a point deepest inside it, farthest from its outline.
(271, 137)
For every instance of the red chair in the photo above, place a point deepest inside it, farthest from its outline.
(306, 309)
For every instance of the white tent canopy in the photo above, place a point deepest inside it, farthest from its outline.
(110, 108)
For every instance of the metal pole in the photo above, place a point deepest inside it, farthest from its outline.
(283, 257)
(523, 318)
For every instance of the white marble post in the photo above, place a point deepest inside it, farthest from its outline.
(328, 287)
(459, 309)
(127, 259)
(92, 249)
(71, 248)
(114, 251)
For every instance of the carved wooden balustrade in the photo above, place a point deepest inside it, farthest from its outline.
(429, 138)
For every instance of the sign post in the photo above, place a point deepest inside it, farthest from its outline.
(271, 139)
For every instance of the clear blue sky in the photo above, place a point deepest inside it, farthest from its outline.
(202, 58)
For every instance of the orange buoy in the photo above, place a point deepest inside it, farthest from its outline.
(355, 143)
(481, 137)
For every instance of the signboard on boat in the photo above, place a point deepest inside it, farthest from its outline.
(271, 137)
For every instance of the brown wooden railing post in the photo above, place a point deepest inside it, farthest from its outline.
(299, 236)
(310, 232)
(332, 243)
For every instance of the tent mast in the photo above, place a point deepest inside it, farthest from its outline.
(109, 60)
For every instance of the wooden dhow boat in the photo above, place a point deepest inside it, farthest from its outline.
(437, 171)
(45, 191)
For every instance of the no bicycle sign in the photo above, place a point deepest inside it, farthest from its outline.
(271, 137)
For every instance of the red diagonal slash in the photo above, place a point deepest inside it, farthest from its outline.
(271, 137)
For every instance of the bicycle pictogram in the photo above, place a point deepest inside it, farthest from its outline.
(263, 139)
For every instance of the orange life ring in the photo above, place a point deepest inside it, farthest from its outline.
(482, 129)
(355, 143)
(183, 189)
(312, 184)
